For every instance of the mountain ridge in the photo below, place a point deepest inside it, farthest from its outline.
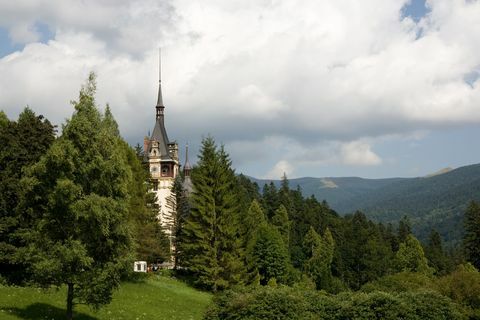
(433, 201)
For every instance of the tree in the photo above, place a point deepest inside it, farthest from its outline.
(210, 236)
(281, 222)
(320, 252)
(253, 220)
(179, 207)
(435, 254)
(271, 255)
(22, 143)
(404, 229)
(471, 238)
(77, 204)
(410, 257)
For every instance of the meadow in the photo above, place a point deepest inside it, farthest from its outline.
(156, 297)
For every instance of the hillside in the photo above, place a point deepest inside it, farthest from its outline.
(158, 297)
(435, 201)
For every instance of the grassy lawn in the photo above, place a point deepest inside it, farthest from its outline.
(159, 297)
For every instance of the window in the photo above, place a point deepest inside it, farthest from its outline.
(155, 185)
(165, 170)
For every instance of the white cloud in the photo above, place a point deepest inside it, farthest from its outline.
(359, 153)
(309, 83)
(279, 169)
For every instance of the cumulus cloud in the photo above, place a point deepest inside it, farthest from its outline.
(279, 169)
(359, 153)
(317, 83)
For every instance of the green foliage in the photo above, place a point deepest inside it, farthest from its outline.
(210, 236)
(364, 254)
(179, 206)
(281, 222)
(400, 282)
(462, 286)
(435, 254)
(287, 303)
(22, 143)
(411, 258)
(471, 238)
(320, 252)
(77, 202)
(270, 255)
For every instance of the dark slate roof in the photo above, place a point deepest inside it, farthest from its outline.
(160, 134)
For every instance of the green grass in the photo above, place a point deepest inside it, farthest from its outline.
(157, 297)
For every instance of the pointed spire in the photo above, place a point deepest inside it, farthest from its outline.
(186, 167)
(160, 107)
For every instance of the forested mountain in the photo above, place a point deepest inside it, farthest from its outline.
(436, 201)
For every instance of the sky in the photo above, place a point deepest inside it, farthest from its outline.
(374, 88)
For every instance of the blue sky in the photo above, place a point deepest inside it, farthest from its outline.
(332, 88)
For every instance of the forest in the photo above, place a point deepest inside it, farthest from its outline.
(76, 212)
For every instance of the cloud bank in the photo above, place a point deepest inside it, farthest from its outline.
(282, 85)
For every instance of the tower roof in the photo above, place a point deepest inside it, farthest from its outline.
(159, 133)
(187, 165)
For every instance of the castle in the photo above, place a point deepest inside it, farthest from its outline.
(162, 157)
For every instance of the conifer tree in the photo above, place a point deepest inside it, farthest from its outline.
(253, 221)
(210, 236)
(76, 199)
(471, 238)
(271, 255)
(435, 253)
(179, 208)
(281, 222)
(320, 252)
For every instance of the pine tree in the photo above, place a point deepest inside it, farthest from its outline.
(320, 252)
(76, 201)
(271, 255)
(179, 209)
(471, 238)
(253, 221)
(281, 222)
(435, 253)
(210, 237)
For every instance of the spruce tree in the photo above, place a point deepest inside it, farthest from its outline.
(211, 245)
(435, 253)
(271, 255)
(252, 222)
(319, 251)
(76, 204)
(281, 222)
(471, 238)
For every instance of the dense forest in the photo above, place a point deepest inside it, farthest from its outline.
(436, 201)
(76, 211)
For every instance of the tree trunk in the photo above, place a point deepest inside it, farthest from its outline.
(70, 302)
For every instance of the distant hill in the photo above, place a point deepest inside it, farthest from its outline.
(434, 201)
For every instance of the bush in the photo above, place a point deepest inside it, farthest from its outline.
(462, 286)
(288, 303)
(399, 282)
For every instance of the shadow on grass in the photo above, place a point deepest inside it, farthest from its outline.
(45, 311)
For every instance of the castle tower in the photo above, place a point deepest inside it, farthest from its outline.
(162, 157)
